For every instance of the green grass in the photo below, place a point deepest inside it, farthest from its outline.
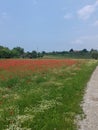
(46, 100)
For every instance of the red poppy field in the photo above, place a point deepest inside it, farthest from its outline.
(20, 67)
(42, 94)
(33, 65)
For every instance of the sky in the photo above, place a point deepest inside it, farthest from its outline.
(49, 25)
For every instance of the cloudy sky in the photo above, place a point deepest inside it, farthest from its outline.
(49, 24)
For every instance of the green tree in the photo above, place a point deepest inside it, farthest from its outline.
(17, 52)
(5, 52)
(71, 50)
(94, 54)
(34, 54)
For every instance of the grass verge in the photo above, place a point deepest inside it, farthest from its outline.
(46, 100)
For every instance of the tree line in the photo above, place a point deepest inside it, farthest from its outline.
(82, 54)
(18, 52)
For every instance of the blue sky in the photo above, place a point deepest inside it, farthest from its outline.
(49, 25)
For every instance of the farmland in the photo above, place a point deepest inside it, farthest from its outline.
(42, 94)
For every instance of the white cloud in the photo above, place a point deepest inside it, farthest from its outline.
(96, 3)
(35, 2)
(77, 41)
(85, 12)
(95, 23)
(88, 42)
(64, 8)
(68, 16)
(3, 17)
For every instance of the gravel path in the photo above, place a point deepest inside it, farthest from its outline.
(90, 105)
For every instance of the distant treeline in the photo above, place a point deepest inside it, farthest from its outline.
(18, 52)
(84, 54)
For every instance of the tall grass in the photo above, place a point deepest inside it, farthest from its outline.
(44, 100)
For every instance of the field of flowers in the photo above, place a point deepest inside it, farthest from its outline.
(42, 94)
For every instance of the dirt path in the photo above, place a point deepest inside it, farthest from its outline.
(90, 105)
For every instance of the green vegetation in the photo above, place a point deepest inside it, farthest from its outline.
(95, 54)
(79, 54)
(44, 100)
(18, 52)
